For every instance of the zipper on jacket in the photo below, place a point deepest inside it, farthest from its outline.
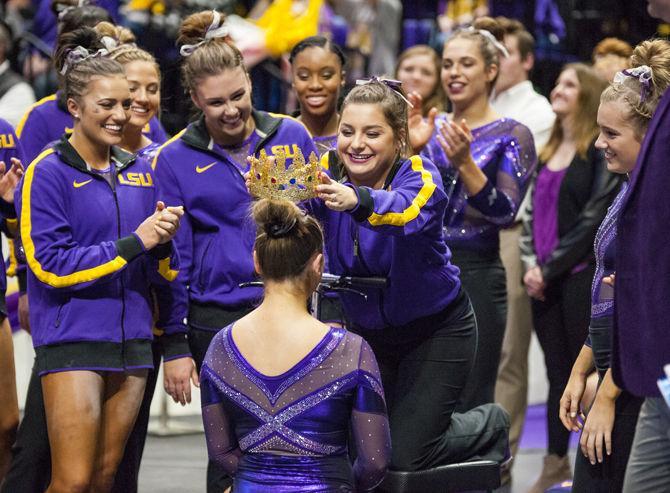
(123, 286)
(357, 255)
(58, 315)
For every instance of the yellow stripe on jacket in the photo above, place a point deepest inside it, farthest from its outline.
(46, 277)
(22, 122)
(13, 263)
(411, 212)
(177, 136)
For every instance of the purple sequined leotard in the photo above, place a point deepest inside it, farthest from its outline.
(504, 151)
(289, 433)
(602, 295)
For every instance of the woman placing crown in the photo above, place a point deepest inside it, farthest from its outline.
(202, 168)
(386, 221)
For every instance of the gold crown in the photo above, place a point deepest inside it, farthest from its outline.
(271, 179)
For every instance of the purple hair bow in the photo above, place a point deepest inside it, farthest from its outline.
(394, 85)
(642, 74)
(79, 54)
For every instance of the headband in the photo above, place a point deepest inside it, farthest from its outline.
(490, 38)
(394, 85)
(78, 55)
(642, 74)
(216, 29)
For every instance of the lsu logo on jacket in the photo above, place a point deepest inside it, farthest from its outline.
(136, 179)
(289, 150)
(7, 141)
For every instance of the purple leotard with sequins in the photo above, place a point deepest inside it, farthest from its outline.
(325, 144)
(505, 152)
(602, 295)
(289, 433)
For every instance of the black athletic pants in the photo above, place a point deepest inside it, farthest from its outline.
(424, 367)
(561, 323)
(483, 278)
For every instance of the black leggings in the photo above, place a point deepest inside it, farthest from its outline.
(562, 323)
(607, 477)
(424, 367)
(483, 278)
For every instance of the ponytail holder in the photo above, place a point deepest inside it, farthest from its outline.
(279, 230)
(78, 55)
(216, 29)
(642, 74)
(490, 38)
(394, 85)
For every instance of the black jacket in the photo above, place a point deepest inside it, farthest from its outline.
(586, 192)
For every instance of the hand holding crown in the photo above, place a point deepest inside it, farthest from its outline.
(269, 177)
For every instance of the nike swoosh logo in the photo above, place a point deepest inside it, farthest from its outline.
(198, 169)
(79, 184)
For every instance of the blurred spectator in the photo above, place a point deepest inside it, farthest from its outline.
(419, 69)
(515, 98)
(458, 13)
(374, 31)
(610, 56)
(569, 200)
(16, 95)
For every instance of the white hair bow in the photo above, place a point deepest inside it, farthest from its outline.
(216, 29)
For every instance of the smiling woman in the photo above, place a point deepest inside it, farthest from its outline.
(418, 69)
(202, 168)
(384, 219)
(570, 198)
(82, 259)
(485, 162)
(143, 76)
(317, 66)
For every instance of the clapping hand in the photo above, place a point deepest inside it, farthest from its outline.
(455, 140)
(420, 129)
(167, 221)
(9, 179)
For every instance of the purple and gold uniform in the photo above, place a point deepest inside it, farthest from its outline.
(89, 275)
(9, 148)
(395, 232)
(216, 236)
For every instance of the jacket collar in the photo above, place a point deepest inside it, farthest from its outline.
(69, 155)
(196, 134)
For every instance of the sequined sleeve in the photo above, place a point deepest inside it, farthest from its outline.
(370, 424)
(222, 446)
(499, 200)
